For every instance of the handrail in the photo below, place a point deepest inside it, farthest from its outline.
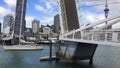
(89, 26)
(99, 35)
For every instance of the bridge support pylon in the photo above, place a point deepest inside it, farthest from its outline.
(75, 51)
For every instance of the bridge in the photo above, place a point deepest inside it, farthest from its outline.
(80, 43)
(96, 35)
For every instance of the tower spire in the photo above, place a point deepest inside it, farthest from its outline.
(106, 10)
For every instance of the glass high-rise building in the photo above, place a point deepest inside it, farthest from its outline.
(8, 21)
(56, 23)
(20, 17)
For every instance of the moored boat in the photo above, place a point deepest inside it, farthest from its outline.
(23, 47)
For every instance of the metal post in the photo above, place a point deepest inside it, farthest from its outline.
(106, 35)
(92, 35)
(50, 50)
(73, 36)
(50, 55)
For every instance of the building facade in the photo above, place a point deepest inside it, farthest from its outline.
(56, 23)
(69, 15)
(8, 21)
(41, 28)
(35, 26)
(20, 22)
(0, 27)
(28, 30)
(47, 30)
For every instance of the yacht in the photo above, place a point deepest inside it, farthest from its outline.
(23, 47)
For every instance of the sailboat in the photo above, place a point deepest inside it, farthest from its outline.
(23, 45)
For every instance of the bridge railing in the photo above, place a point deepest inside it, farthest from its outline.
(101, 35)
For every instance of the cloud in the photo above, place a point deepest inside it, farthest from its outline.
(48, 5)
(113, 5)
(44, 21)
(10, 3)
(90, 17)
(46, 9)
(52, 2)
(29, 21)
(39, 8)
(4, 11)
(47, 20)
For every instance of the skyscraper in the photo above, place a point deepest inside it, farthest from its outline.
(0, 27)
(35, 26)
(69, 15)
(20, 17)
(56, 23)
(8, 21)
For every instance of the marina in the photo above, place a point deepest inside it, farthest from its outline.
(73, 41)
(105, 57)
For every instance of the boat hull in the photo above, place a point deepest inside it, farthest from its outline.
(23, 47)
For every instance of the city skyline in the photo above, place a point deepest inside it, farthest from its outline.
(35, 9)
(45, 10)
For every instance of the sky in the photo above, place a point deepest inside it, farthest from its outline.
(45, 10)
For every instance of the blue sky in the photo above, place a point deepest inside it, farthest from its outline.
(42, 10)
(45, 10)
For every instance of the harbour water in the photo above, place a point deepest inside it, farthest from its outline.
(105, 57)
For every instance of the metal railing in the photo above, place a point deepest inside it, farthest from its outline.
(101, 35)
